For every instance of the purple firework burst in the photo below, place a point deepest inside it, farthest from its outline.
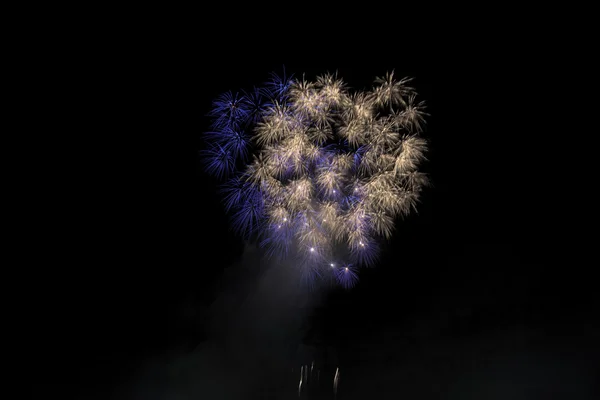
(317, 172)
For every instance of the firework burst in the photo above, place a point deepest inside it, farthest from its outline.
(317, 172)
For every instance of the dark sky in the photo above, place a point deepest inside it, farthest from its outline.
(479, 295)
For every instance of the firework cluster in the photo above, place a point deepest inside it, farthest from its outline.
(317, 172)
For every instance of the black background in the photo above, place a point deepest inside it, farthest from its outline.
(494, 247)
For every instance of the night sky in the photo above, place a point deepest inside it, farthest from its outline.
(481, 295)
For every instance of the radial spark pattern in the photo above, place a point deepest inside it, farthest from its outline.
(317, 172)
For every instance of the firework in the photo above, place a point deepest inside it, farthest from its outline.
(317, 172)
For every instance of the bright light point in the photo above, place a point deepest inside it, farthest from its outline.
(332, 265)
(346, 268)
(312, 249)
(284, 219)
(278, 226)
(333, 190)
